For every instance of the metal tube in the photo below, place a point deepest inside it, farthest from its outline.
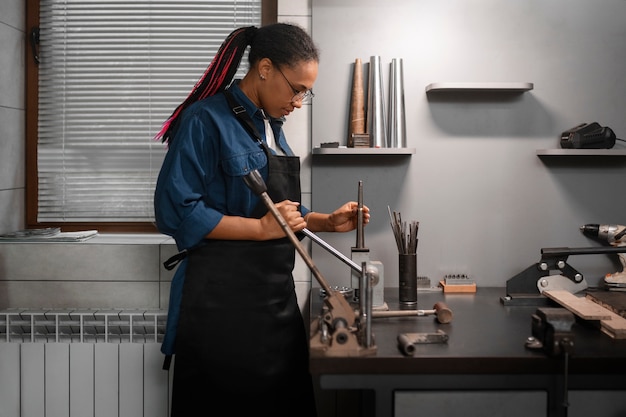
(396, 122)
(375, 105)
(332, 250)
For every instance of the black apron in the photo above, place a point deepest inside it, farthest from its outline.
(241, 343)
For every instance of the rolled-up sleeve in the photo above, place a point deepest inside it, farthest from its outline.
(202, 176)
(180, 205)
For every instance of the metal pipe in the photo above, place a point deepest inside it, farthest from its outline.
(375, 105)
(396, 122)
(366, 303)
(332, 250)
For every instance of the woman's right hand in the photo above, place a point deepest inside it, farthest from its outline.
(289, 211)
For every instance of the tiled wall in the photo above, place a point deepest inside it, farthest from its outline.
(116, 271)
(107, 271)
(12, 50)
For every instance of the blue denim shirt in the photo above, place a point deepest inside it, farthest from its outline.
(201, 179)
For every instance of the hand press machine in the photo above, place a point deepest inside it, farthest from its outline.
(553, 272)
(340, 330)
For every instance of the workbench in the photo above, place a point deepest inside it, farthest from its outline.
(485, 352)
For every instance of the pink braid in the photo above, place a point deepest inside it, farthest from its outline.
(216, 77)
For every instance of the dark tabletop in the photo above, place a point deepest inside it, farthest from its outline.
(485, 337)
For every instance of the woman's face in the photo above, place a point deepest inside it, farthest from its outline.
(286, 87)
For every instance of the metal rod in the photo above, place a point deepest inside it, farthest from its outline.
(363, 303)
(360, 238)
(555, 252)
(332, 250)
(402, 313)
(367, 304)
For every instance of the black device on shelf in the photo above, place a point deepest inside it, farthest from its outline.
(588, 136)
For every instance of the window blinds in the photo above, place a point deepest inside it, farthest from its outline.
(111, 72)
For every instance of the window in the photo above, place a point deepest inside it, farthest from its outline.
(109, 73)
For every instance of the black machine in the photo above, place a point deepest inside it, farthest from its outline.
(588, 136)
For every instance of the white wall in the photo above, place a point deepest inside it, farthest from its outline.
(485, 202)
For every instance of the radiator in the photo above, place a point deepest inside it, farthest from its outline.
(88, 363)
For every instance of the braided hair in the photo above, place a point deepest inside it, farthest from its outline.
(282, 43)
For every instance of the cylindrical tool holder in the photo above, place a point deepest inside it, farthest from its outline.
(407, 269)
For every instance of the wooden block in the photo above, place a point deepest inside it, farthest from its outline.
(458, 288)
(580, 306)
(609, 322)
(615, 326)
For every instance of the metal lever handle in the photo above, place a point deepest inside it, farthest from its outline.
(255, 181)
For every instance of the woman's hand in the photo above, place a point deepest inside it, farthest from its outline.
(289, 211)
(345, 218)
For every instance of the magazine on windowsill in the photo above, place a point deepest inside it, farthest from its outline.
(48, 234)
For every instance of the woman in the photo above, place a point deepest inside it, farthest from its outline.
(234, 322)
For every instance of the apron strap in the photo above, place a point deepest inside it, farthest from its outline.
(167, 362)
(175, 260)
(243, 116)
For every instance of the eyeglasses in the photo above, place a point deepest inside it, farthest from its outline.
(298, 96)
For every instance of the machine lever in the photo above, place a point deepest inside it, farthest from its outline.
(255, 182)
(332, 250)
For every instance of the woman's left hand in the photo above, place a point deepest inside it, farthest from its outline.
(345, 218)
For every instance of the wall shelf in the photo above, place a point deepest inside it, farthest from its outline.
(511, 87)
(363, 151)
(561, 153)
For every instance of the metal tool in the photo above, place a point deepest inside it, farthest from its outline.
(614, 235)
(315, 238)
(340, 331)
(360, 237)
(359, 253)
(407, 341)
(552, 333)
(552, 272)
(440, 310)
